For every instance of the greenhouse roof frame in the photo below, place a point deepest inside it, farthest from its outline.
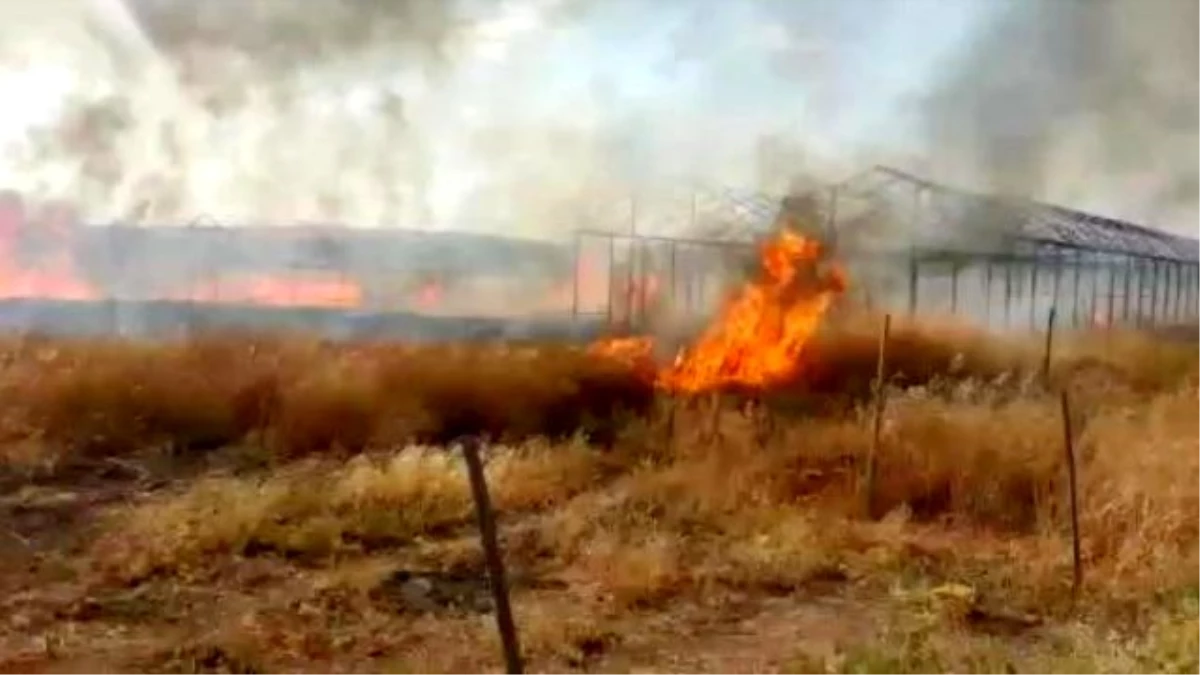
(1048, 224)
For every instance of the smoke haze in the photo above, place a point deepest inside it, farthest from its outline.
(532, 116)
(411, 113)
(1087, 103)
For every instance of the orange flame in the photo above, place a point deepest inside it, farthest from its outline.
(281, 291)
(428, 295)
(55, 277)
(757, 339)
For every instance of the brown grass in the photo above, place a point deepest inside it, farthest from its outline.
(86, 400)
(633, 543)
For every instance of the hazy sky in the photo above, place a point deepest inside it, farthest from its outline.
(831, 71)
(684, 88)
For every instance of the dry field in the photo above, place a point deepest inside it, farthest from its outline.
(254, 505)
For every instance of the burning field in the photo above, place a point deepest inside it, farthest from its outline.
(257, 504)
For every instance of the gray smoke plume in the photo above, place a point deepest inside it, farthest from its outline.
(1087, 103)
(375, 112)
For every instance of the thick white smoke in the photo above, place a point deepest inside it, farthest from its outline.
(531, 115)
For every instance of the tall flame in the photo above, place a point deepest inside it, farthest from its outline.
(758, 337)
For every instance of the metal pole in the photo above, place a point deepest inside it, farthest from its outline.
(1033, 296)
(1163, 298)
(1162, 291)
(913, 265)
(987, 292)
(1184, 278)
(912, 281)
(1008, 292)
(954, 288)
(575, 272)
(1075, 292)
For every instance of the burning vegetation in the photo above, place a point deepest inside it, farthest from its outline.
(758, 338)
(151, 486)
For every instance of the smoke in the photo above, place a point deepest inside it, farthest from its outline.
(531, 115)
(1086, 103)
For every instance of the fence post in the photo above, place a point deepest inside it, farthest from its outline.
(1159, 273)
(1191, 290)
(1049, 344)
(1079, 270)
(1154, 292)
(1136, 297)
(612, 286)
(1168, 277)
(1073, 494)
(1187, 291)
(492, 557)
(1094, 282)
(1194, 290)
(1177, 301)
(1057, 282)
(1112, 292)
(1126, 296)
(868, 495)
(674, 281)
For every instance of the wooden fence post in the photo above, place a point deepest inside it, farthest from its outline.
(491, 552)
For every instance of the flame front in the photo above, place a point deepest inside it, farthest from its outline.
(758, 337)
(278, 291)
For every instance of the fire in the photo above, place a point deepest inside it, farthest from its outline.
(428, 295)
(54, 277)
(281, 291)
(758, 337)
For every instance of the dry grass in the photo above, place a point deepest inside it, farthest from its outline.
(88, 400)
(633, 543)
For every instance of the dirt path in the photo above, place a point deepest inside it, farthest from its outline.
(764, 636)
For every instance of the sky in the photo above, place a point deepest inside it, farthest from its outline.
(542, 104)
(835, 77)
